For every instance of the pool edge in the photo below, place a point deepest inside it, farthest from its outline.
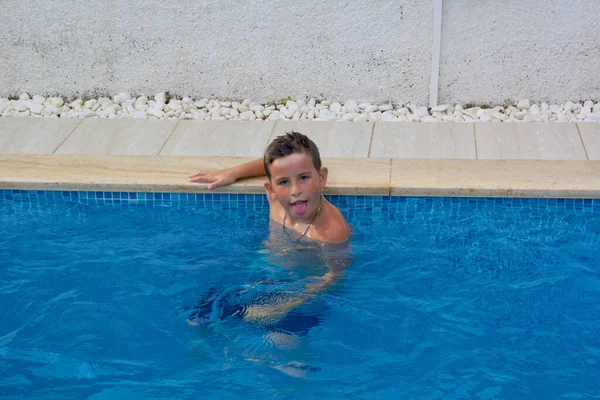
(347, 176)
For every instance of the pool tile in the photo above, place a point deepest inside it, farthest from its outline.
(219, 138)
(34, 135)
(411, 140)
(118, 137)
(528, 141)
(590, 133)
(333, 138)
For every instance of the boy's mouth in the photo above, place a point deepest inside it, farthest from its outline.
(299, 207)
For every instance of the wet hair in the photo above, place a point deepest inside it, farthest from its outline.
(291, 143)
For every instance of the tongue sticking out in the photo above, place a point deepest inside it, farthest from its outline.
(299, 207)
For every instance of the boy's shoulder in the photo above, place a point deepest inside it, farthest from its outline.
(332, 228)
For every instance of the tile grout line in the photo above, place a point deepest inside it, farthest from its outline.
(582, 142)
(475, 140)
(68, 136)
(390, 180)
(168, 137)
(371, 141)
(271, 135)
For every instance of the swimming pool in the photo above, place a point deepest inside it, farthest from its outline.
(446, 298)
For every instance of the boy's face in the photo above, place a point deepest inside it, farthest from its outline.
(297, 185)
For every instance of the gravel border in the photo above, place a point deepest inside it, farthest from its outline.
(162, 106)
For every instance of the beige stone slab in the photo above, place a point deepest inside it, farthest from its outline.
(528, 141)
(333, 138)
(496, 178)
(219, 138)
(118, 137)
(410, 140)
(34, 135)
(168, 174)
(590, 134)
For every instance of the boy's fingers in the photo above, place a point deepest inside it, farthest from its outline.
(202, 179)
(217, 183)
(197, 174)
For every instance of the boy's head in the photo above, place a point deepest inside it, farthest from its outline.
(288, 144)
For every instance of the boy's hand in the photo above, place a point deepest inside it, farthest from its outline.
(271, 312)
(222, 177)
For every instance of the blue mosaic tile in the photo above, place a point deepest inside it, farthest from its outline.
(411, 207)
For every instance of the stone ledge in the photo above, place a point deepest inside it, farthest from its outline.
(398, 177)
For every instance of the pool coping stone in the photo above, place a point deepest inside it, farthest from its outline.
(348, 176)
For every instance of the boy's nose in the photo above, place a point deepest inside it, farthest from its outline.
(296, 189)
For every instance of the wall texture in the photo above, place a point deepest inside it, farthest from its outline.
(507, 49)
(370, 51)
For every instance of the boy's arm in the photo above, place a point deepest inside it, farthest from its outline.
(337, 268)
(223, 177)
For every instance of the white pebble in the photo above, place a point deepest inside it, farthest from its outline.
(388, 116)
(325, 114)
(422, 112)
(498, 115)
(335, 108)
(160, 97)
(386, 107)
(90, 103)
(36, 108)
(351, 106)
(440, 108)
(569, 106)
(524, 104)
(38, 99)
(369, 108)
(200, 115)
(287, 113)
(20, 106)
(247, 116)
(121, 97)
(139, 115)
(291, 106)
(57, 102)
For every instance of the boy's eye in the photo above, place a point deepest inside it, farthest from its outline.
(283, 182)
(305, 177)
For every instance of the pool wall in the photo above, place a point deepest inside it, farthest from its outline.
(254, 201)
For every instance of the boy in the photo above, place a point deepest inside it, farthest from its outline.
(294, 188)
(295, 181)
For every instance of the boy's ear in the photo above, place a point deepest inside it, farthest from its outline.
(323, 177)
(269, 189)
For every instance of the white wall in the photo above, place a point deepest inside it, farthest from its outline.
(377, 51)
(510, 49)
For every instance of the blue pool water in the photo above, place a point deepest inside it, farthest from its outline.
(445, 299)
